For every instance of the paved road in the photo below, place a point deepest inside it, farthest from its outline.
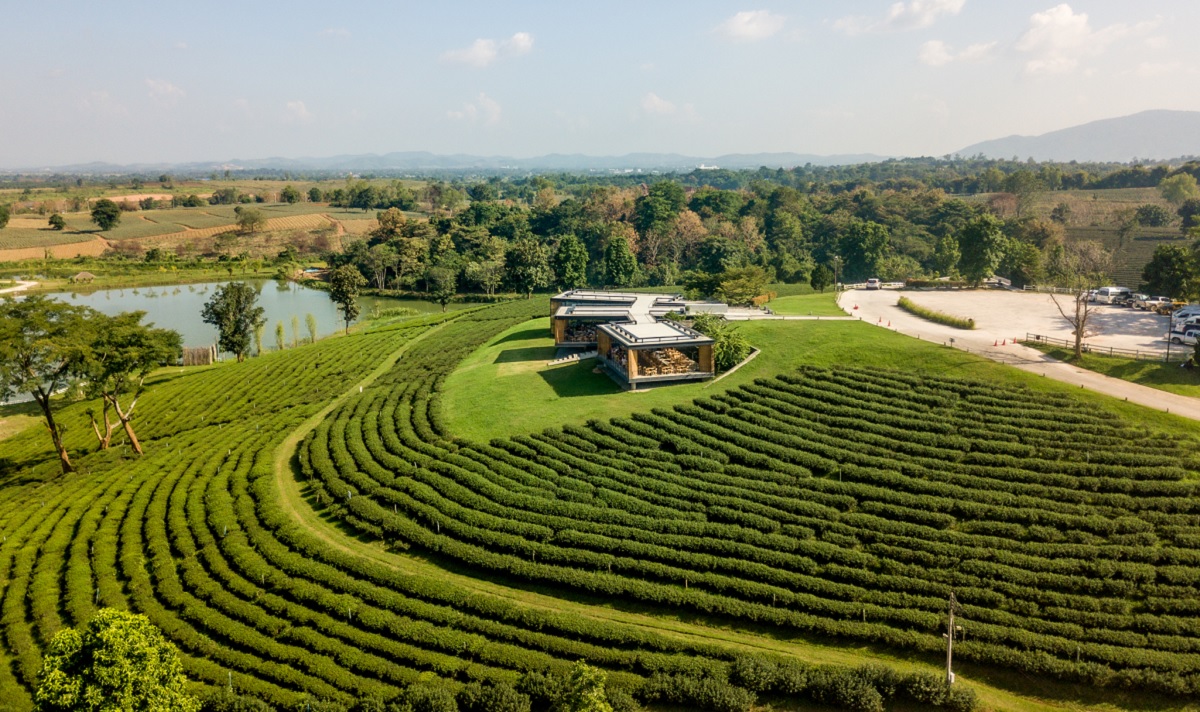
(879, 307)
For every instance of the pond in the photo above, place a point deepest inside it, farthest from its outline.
(178, 307)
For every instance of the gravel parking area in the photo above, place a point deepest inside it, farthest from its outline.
(1004, 315)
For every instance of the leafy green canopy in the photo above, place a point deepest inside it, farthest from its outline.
(234, 310)
(120, 661)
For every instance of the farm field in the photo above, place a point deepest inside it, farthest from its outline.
(800, 513)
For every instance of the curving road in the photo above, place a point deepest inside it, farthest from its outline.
(998, 315)
(20, 287)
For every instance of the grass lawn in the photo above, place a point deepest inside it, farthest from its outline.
(1163, 376)
(815, 304)
(505, 387)
(15, 417)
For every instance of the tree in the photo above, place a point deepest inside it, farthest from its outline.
(289, 195)
(1061, 213)
(1173, 271)
(280, 336)
(4, 213)
(584, 690)
(120, 661)
(443, 285)
(946, 255)
(1178, 188)
(1079, 266)
(41, 344)
(620, 265)
(314, 194)
(730, 347)
(122, 353)
(57, 222)
(1025, 187)
(740, 286)
(234, 310)
(344, 284)
(862, 243)
(250, 220)
(1150, 215)
(821, 278)
(1189, 213)
(570, 263)
(528, 265)
(310, 322)
(488, 274)
(981, 244)
(106, 214)
(380, 260)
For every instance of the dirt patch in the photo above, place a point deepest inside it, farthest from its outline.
(91, 248)
(135, 197)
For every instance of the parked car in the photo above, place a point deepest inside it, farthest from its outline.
(1184, 312)
(1128, 300)
(1151, 303)
(874, 283)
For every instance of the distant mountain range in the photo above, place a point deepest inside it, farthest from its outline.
(1147, 135)
(418, 162)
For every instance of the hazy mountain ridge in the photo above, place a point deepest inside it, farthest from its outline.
(1157, 134)
(417, 161)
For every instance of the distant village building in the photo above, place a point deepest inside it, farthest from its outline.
(83, 278)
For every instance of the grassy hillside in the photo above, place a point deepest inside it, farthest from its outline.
(819, 516)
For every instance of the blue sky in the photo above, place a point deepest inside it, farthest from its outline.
(133, 82)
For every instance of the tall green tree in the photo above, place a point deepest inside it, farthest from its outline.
(443, 285)
(946, 255)
(620, 264)
(1178, 188)
(115, 365)
(981, 245)
(570, 262)
(861, 244)
(118, 662)
(344, 285)
(4, 214)
(106, 214)
(250, 220)
(1173, 270)
(234, 310)
(42, 342)
(528, 265)
(57, 222)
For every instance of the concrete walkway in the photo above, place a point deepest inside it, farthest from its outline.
(20, 287)
(879, 307)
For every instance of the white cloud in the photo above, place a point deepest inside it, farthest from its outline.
(654, 104)
(484, 108)
(335, 33)
(936, 53)
(297, 111)
(102, 104)
(1059, 38)
(164, 92)
(751, 25)
(1157, 69)
(483, 52)
(912, 15)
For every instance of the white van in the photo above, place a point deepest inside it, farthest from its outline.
(1112, 295)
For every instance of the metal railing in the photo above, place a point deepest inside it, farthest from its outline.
(1178, 353)
(685, 334)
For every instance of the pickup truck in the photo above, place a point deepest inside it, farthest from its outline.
(1183, 338)
(1151, 303)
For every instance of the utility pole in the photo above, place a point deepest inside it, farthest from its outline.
(952, 605)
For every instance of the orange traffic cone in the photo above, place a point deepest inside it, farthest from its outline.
(880, 320)
(1005, 343)
(889, 323)
(996, 342)
(855, 307)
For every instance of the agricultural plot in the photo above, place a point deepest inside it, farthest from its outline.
(808, 504)
(837, 503)
(17, 238)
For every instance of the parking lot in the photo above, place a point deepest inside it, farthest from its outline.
(1001, 315)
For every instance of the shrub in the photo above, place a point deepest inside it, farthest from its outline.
(935, 316)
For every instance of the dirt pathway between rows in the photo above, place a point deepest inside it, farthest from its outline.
(879, 307)
(292, 500)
